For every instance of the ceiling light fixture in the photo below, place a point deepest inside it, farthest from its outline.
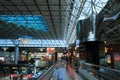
(5, 48)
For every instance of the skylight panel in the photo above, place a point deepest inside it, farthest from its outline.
(97, 6)
(37, 22)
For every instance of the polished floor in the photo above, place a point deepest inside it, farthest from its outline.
(66, 72)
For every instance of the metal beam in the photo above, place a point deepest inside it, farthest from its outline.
(33, 17)
(112, 30)
(109, 30)
(51, 19)
(75, 22)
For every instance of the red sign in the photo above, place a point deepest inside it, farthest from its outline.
(50, 50)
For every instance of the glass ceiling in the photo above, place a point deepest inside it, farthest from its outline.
(92, 6)
(83, 8)
(37, 22)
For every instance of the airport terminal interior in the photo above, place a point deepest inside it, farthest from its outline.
(59, 39)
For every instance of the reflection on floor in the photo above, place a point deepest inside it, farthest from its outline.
(66, 72)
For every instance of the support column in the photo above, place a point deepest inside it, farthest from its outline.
(4, 56)
(16, 54)
(92, 52)
(56, 55)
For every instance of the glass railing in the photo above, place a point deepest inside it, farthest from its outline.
(100, 72)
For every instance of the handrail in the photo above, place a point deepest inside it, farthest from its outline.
(88, 64)
(16, 65)
(103, 72)
(45, 73)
